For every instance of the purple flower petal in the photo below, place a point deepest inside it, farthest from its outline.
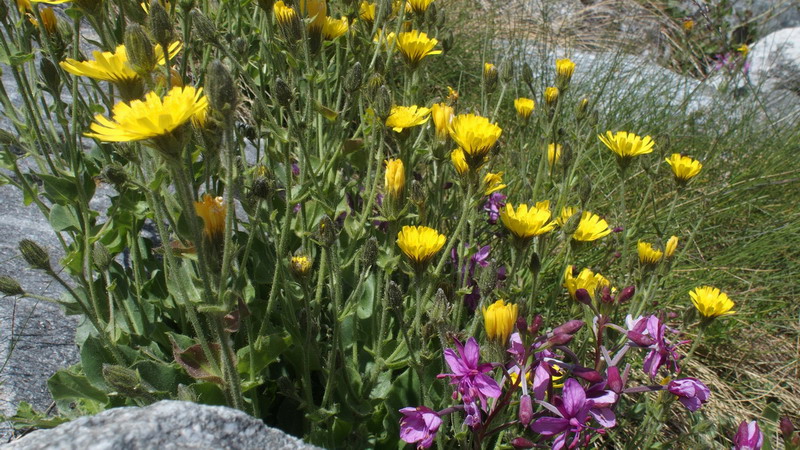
(574, 397)
(549, 426)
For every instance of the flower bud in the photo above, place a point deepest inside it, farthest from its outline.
(34, 255)
(626, 294)
(570, 327)
(527, 74)
(614, 381)
(126, 381)
(383, 103)
(240, 47)
(115, 175)
(559, 339)
(50, 76)
(522, 443)
(525, 409)
(506, 71)
(582, 295)
(327, 231)
(535, 265)
(283, 93)
(395, 179)
(592, 376)
(102, 258)
(786, 427)
(522, 325)
(488, 279)
(395, 295)
(369, 253)
(161, 25)
(418, 194)
(261, 188)
(551, 96)
(489, 77)
(300, 265)
(222, 92)
(141, 55)
(585, 190)
(204, 27)
(354, 78)
(186, 394)
(536, 324)
(9, 286)
(447, 41)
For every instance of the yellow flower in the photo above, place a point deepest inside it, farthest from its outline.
(51, 2)
(300, 265)
(711, 302)
(744, 50)
(414, 46)
(551, 96)
(113, 67)
(627, 145)
(489, 71)
(558, 376)
(553, 153)
(385, 40)
(420, 243)
(525, 223)
(672, 244)
(564, 70)
(334, 28)
(452, 95)
(648, 254)
(151, 117)
(475, 135)
(285, 15)
(524, 107)
(24, 5)
(591, 227)
(212, 210)
(395, 178)
(366, 11)
(402, 117)
(493, 182)
(586, 279)
(316, 10)
(683, 167)
(419, 6)
(49, 20)
(459, 162)
(566, 213)
(442, 116)
(499, 319)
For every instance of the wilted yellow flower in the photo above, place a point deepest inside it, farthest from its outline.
(316, 10)
(591, 227)
(285, 15)
(49, 20)
(499, 319)
(113, 67)
(648, 254)
(711, 302)
(366, 11)
(524, 107)
(564, 70)
(553, 153)
(300, 265)
(586, 279)
(442, 116)
(551, 96)
(419, 6)
(420, 243)
(627, 145)
(475, 135)
(684, 167)
(414, 45)
(459, 162)
(24, 5)
(493, 182)
(525, 222)
(334, 28)
(672, 244)
(402, 117)
(452, 95)
(395, 178)
(213, 212)
(151, 117)
(566, 213)
(688, 24)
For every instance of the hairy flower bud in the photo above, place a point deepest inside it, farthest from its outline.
(614, 380)
(418, 194)
(522, 324)
(34, 254)
(536, 264)
(570, 327)
(161, 24)
(126, 381)
(102, 258)
(395, 295)
(283, 93)
(383, 103)
(369, 254)
(327, 231)
(50, 76)
(559, 339)
(592, 376)
(9, 286)
(536, 324)
(221, 88)
(506, 71)
(204, 27)
(488, 279)
(489, 77)
(786, 427)
(585, 190)
(527, 74)
(141, 55)
(522, 443)
(626, 294)
(354, 78)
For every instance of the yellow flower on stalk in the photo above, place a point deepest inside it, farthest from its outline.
(743, 50)
(49, 20)
(442, 116)
(452, 95)
(564, 70)
(150, 118)
(627, 145)
(683, 167)
(24, 5)
(566, 213)
(591, 228)
(414, 45)
(499, 319)
(402, 117)
(459, 162)
(489, 71)
(525, 223)
(316, 10)
(648, 254)
(114, 67)
(493, 182)
(672, 244)
(585, 279)
(395, 178)
(213, 212)
(688, 24)
(475, 135)
(553, 153)
(366, 11)
(300, 265)
(334, 28)
(419, 6)
(385, 40)
(711, 302)
(524, 107)
(420, 243)
(551, 96)
(284, 14)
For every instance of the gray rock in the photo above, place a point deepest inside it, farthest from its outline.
(167, 425)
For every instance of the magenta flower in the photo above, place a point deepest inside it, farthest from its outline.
(419, 425)
(470, 376)
(602, 400)
(573, 409)
(650, 333)
(748, 437)
(494, 203)
(690, 391)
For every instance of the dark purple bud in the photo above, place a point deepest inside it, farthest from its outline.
(626, 294)
(605, 295)
(525, 409)
(521, 442)
(522, 324)
(640, 339)
(501, 273)
(582, 295)
(570, 327)
(786, 427)
(295, 170)
(614, 381)
(748, 437)
(592, 376)
(617, 230)
(672, 315)
(536, 323)
(617, 255)
(559, 339)
(447, 185)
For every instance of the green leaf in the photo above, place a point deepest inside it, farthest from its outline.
(64, 218)
(326, 112)
(366, 304)
(382, 387)
(65, 385)
(26, 417)
(93, 356)
(161, 376)
(60, 189)
(263, 352)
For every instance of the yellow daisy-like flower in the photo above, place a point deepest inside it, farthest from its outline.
(683, 167)
(585, 279)
(366, 11)
(551, 96)
(499, 319)
(459, 162)
(402, 117)
(151, 117)
(113, 67)
(627, 145)
(525, 222)
(672, 244)
(316, 10)
(566, 213)
(442, 116)
(648, 254)
(284, 14)
(414, 46)
(553, 153)
(493, 182)
(420, 243)
(300, 265)
(524, 107)
(213, 212)
(591, 227)
(419, 6)
(334, 28)
(688, 24)
(475, 135)
(564, 70)
(711, 302)
(395, 178)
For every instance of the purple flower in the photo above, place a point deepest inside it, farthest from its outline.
(573, 410)
(470, 376)
(295, 170)
(602, 399)
(748, 437)
(690, 391)
(650, 333)
(419, 425)
(493, 204)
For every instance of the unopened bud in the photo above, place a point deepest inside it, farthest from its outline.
(102, 258)
(369, 254)
(590, 375)
(582, 295)
(536, 324)
(559, 339)
(9, 286)
(125, 381)
(300, 265)
(786, 427)
(327, 231)
(240, 47)
(605, 295)
(221, 89)
(50, 76)
(418, 193)
(522, 325)
(383, 103)
(522, 443)
(395, 295)
(570, 327)
(567, 155)
(204, 27)
(161, 25)
(141, 55)
(614, 380)
(488, 279)
(261, 188)
(535, 264)
(283, 93)
(115, 175)
(506, 71)
(354, 78)
(34, 254)
(527, 74)
(489, 77)
(525, 409)
(551, 96)
(447, 41)
(626, 294)
(441, 17)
